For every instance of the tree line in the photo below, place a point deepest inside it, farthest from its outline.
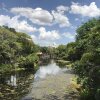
(17, 50)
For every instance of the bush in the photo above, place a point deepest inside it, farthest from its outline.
(29, 62)
(87, 57)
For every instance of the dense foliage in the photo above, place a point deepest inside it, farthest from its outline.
(17, 50)
(85, 53)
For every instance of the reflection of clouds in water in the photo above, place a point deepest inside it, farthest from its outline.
(51, 69)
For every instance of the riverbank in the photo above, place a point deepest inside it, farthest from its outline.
(8, 68)
(64, 63)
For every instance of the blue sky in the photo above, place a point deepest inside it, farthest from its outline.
(48, 22)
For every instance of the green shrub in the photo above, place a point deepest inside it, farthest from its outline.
(28, 62)
(87, 57)
(84, 95)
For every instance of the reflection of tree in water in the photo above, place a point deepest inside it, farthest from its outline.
(14, 86)
(60, 64)
(44, 62)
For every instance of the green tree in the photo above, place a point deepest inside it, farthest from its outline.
(15, 45)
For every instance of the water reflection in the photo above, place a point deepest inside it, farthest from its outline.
(12, 80)
(15, 85)
(44, 62)
(43, 71)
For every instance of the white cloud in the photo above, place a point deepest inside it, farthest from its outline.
(4, 20)
(46, 38)
(62, 9)
(69, 35)
(48, 35)
(14, 22)
(42, 42)
(91, 11)
(34, 38)
(21, 26)
(61, 19)
(38, 16)
(60, 16)
(43, 17)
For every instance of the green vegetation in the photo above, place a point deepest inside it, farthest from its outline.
(48, 51)
(17, 50)
(85, 55)
(64, 63)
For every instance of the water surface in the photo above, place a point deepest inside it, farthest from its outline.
(22, 84)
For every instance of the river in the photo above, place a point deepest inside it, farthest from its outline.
(48, 83)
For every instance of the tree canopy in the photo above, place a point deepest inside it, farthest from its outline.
(13, 47)
(85, 53)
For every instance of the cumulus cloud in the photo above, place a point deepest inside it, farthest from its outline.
(34, 38)
(38, 16)
(62, 9)
(42, 42)
(48, 35)
(61, 19)
(90, 11)
(14, 22)
(46, 38)
(43, 17)
(60, 16)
